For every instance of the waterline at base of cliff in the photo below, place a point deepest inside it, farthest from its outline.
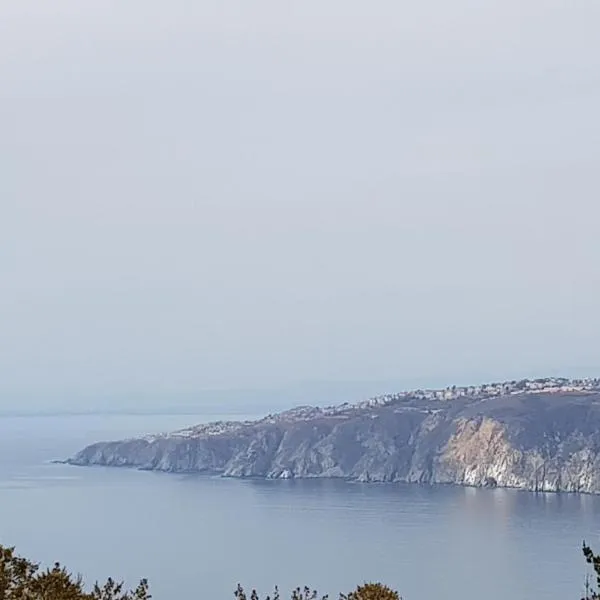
(536, 440)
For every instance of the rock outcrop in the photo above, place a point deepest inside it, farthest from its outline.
(535, 441)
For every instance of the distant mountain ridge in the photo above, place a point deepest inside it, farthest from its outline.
(540, 435)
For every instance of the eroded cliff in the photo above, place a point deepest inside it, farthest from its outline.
(535, 441)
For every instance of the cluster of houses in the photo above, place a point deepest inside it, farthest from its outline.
(523, 386)
(474, 392)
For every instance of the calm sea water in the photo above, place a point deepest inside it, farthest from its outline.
(196, 537)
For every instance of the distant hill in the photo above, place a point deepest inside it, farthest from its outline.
(541, 435)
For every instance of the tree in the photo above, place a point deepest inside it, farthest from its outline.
(594, 560)
(372, 591)
(21, 579)
(367, 591)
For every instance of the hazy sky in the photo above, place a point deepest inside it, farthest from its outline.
(232, 193)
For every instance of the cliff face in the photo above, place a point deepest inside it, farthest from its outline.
(544, 442)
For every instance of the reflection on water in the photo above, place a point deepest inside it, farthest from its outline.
(196, 536)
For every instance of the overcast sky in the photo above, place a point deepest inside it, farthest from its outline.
(231, 194)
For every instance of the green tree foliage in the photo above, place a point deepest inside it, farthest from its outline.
(372, 591)
(297, 594)
(368, 591)
(594, 560)
(21, 579)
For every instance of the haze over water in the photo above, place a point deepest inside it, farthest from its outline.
(214, 194)
(196, 536)
(243, 195)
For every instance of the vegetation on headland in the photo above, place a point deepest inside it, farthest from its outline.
(540, 436)
(22, 579)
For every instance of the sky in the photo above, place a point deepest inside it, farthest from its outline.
(233, 195)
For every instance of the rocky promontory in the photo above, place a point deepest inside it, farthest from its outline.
(541, 435)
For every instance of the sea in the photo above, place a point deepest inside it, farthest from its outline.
(196, 536)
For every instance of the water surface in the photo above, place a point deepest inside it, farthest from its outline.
(197, 536)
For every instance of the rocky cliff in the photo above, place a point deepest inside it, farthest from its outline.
(535, 441)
